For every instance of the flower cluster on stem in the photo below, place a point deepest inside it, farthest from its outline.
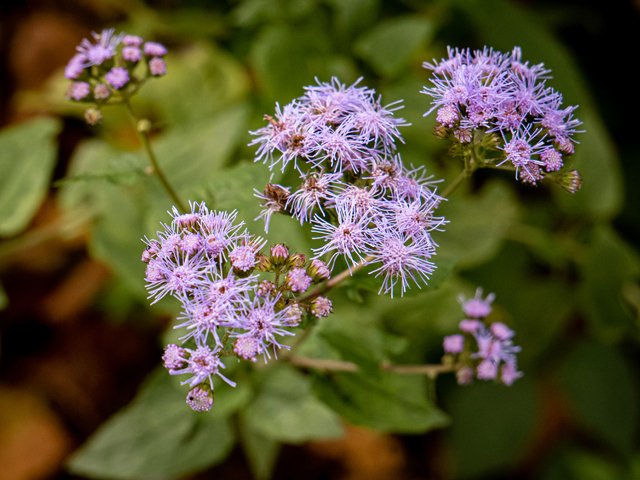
(212, 265)
(497, 110)
(496, 355)
(362, 202)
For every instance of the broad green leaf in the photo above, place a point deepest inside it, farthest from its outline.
(261, 451)
(353, 349)
(253, 12)
(157, 435)
(503, 25)
(604, 393)
(609, 264)
(118, 210)
(193, 155)
(353, 15)
(478, 224)
(286, 410)
(26, 164)
(203, 81)
(392, 403)
(392, 44)
(287, 58)
(491, 424)
(122, 169)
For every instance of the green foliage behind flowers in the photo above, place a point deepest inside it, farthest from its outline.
(561, 273)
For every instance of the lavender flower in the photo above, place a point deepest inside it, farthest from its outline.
(203, 363)
(154, 49)
(103, 49)
(453, 344)
(477, 307)
(79, 90)
(75, 66)
(131, 53)
(117, 77)
(157, 66)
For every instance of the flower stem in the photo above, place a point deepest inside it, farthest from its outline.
(146, 143)
(430, 370)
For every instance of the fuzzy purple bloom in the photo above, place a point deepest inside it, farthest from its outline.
(157, 66)
(453, 344)
(154, 49)
(117, 77)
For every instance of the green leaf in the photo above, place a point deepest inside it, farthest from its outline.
(394, 403)
(491, 424)
(286, 410)
(193, 155)
(392, 44)
(287, 58)
(121, 169)
(503, 25)
(352, 15)
(28, 157)
(478, 224)
(608, 266)
(157, 435)
(203, 82)
(353, 349)
(261, 451)
(604, 393)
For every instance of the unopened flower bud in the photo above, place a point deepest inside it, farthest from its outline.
(93, 116)
(264, 265)
(186, 221)
(453, 344)
(440, 131)
(265, 288)
(157, 67)
(318, 270)
(297, 280)
(247, 347)
(464, 376)
(200, 399)
(293, 316)
(279, 254)
(296, 260)
(570, 181)
(174, 357)
(143, 125)
(487, 370)
(101, 92)
(321, 307)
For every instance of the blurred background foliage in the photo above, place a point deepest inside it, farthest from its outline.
(78, 338)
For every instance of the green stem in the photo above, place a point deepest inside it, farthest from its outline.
(146, 143)
(432, 371)
(470, 166)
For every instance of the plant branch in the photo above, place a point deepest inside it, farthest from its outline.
(146, 143)
(430, 370)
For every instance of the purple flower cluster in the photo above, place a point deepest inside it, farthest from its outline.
(485, 91)
(102, 68)
(496, 355)
(207, 261)
(355, 191)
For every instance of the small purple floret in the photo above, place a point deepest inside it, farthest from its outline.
(117, 77)
(154, 49)
(453, 344)
(157, 67)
